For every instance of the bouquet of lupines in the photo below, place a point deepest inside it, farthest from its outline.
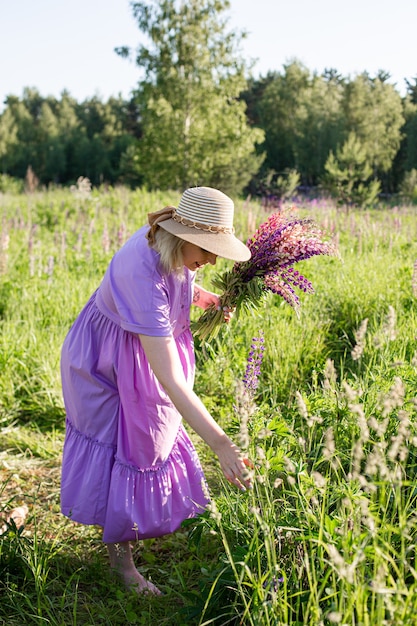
(276, 246)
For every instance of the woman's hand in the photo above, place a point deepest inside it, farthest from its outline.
(205, 299)
(233, 464)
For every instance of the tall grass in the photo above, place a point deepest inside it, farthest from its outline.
(327, 534)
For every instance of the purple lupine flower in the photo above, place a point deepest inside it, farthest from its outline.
(276, 246)
(273, 583)
(280, 242)
(254, 362)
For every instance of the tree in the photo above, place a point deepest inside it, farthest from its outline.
(277, 111)
(8, 137)
(320, 124)
(302, 118)
(374, 112)
(407, 158)
(194, 126)
(348, 174)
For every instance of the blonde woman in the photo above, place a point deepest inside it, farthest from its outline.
(127, 375)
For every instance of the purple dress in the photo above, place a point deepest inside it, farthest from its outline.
(128, 463)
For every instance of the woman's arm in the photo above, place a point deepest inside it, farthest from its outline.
(163, 358)
(203, 298)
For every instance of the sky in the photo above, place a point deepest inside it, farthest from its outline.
(56, 45)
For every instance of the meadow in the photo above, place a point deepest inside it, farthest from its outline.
(328, 533)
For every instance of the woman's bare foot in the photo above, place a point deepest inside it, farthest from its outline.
(134, 581)
(121, 562)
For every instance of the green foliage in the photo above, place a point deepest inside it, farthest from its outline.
(327, 530)
(306, 117)
(275, 187)
(287, 183)
(408, 187)
(348, 175)
(11, 185)
(408, 153)
(302, 118)
(374, 112)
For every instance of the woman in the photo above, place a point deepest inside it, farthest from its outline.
(127, 374)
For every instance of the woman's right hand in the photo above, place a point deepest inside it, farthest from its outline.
(234, 465)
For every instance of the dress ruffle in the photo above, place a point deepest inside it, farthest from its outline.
(128, 502)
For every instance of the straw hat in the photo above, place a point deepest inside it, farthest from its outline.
(203, 217)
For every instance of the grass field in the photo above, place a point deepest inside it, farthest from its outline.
(328, 533)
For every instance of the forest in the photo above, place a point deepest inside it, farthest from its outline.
(197, 116)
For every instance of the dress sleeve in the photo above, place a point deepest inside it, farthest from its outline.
(135, 292)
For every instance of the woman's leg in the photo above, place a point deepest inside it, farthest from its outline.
(121, 560)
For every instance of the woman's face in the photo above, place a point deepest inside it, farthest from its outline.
(194, 257)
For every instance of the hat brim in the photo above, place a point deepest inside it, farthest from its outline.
(222, 244)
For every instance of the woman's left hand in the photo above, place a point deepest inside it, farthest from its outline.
(205, 299)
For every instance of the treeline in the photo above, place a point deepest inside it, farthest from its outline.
(61, 140)
(197, 118)
(336, 132)
(305, 118)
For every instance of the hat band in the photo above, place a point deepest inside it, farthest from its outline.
(207, 227)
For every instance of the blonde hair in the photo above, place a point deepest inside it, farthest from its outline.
(170, 251)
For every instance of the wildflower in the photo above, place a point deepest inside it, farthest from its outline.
(350, 394)
(399, 449)
(82, 189)
(31, 253)
(376, 463)
(106, 240)
(379, 426)
(63, 244)
(334, 617)
(330, 376)
(329, 447)
(245, 406)
(273, 583)
(214, 511)
(319, 480)
(121, 235)
(302, 408)
(360, 334)
(395, 397)
(276, 246)
(345, 570)
(390, 323)
(4, 245)
(50, 268)
(254, 362)
(414, 279)
(388, 331)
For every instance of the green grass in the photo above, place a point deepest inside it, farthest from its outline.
(328, 533)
